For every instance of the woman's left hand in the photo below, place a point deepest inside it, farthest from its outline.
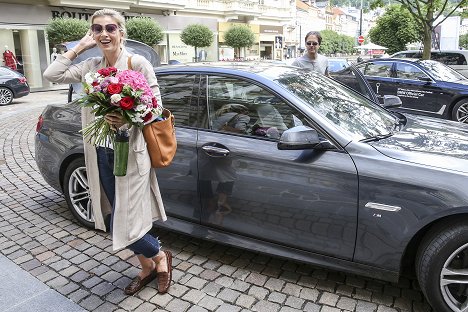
(115, 120)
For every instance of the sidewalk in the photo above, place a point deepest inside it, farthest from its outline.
(22, 292)
(50, 88)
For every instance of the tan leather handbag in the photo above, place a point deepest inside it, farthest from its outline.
(161, 140)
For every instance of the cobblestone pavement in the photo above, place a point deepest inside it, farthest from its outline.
(38, 233)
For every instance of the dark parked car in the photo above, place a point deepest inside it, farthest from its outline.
(13, 85)
(317, 173)
(424, 87)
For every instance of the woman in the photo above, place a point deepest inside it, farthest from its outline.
(312, 59)
(134, 200)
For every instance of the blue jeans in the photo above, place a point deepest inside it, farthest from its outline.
(148, 245)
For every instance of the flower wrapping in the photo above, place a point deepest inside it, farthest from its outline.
(124, 91)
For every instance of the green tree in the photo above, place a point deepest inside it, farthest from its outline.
(333, 43)
(197, 36)
(425, 13)
(60, 30)
(463, 43)
(239, 36)
(144, 29)
(394, 29)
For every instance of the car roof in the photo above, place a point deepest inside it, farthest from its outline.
(253, 68)
(133, 46)
(440, 51)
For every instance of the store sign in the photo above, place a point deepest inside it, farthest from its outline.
(267, 29)
(69, 14)
(180, 51)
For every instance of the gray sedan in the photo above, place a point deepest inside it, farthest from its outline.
(291, 163)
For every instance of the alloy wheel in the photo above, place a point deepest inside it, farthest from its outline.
(454, 280)
(462, 113)
(78, 191)
(6, 96)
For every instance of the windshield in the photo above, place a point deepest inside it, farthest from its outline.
(441, 71)
(350, 111)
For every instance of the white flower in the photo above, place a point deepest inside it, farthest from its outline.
(115, 98)
(89, 78)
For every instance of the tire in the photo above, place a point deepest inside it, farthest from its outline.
(460, 111)
(442, 257)
(6, 96)
(76, 191)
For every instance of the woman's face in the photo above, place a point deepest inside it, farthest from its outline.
(312, 44)
(107, 34)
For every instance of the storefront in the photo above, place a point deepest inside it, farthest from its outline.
(22, 32)
(271, 42)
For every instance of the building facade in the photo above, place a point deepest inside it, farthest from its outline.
(278, 25)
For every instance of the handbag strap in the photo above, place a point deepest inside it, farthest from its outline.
(232, 122)
(129, 62)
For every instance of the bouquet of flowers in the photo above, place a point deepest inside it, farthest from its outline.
(124, 91)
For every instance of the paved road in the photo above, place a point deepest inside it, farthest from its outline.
(39, 234)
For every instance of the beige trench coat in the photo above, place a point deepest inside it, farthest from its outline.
(138, 200)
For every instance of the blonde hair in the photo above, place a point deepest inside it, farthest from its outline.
(116, 16)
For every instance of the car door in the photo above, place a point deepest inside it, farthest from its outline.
(380, 77)
(418, 91)
(177, 182)
(354, 79)
(303, 199)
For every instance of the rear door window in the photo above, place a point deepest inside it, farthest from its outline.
(177, 96)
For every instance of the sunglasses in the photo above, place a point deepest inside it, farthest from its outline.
(312, 43)
(98, 29)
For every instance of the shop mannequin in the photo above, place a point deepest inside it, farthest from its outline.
(53, 55)
(10, 59)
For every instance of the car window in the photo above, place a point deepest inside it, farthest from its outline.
(348, 110)
(239, 106)
(441, 71)
(449, 58)
(177, 96)
(408, 71)
(377, 69)
(348, 78)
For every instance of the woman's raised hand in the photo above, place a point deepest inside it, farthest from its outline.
(86, 43)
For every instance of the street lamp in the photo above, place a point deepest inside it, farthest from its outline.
(360, 21)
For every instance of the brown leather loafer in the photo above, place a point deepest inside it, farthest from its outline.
(137, 283)
(165, 278)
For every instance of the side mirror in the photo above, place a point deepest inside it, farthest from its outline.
(298, 138)
(391, 101)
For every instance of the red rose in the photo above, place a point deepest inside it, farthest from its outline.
(114, 88)
(108, 71)
(95, 83)
(147, 117)
(154, 101)
(127, 103)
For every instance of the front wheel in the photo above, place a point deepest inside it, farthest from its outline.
(460, 111)
(76, 191)
(442, 267)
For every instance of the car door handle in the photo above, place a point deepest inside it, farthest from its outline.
(215, 151)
